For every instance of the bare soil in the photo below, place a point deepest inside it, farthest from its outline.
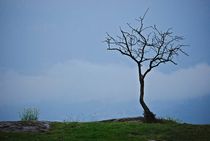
(127, 119)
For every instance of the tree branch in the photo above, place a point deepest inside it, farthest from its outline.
(147, 46)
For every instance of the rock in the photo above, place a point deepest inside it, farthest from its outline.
(24, 126)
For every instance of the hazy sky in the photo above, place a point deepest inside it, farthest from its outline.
(52, 55)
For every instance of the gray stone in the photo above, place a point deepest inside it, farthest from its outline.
(24, 126)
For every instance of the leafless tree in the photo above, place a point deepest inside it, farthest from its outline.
(148, 47)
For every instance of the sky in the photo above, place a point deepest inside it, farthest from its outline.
(52, 57)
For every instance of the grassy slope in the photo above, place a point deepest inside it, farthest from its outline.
(122, 131)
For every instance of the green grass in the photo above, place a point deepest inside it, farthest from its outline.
(115, 131)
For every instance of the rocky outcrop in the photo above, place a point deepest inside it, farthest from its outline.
(24, 126)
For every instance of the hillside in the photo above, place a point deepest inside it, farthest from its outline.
(116, 131)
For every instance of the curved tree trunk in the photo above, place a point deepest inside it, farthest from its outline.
(148, 115)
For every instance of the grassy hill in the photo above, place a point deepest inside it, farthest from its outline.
(114, 131)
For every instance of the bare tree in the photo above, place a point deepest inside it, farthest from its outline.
(148, 47)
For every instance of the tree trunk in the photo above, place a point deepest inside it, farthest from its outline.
(148, 115)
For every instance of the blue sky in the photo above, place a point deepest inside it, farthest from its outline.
(52, 55)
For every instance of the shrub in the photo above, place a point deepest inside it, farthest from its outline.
(29, 114)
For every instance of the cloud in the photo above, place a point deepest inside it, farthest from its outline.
(72, 81)
(181, 84)
(80, 81)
